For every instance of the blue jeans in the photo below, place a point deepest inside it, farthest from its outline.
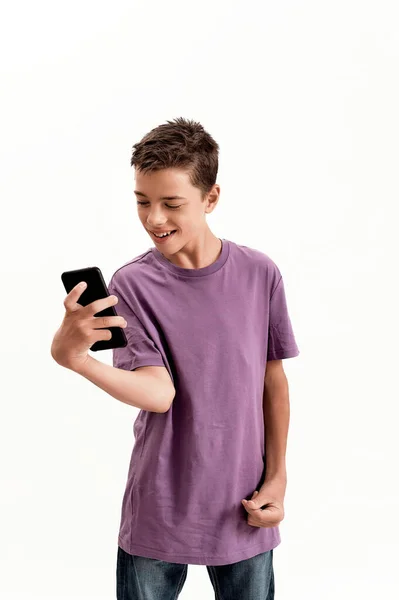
(140, 578)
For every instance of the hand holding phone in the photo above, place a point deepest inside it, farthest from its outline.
(91, 323)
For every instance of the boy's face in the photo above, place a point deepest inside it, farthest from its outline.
(185, 215)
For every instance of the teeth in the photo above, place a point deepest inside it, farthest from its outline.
(163, 234)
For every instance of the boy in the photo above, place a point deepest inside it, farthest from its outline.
(207, 329)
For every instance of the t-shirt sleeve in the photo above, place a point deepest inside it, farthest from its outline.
(140, 350)
(281, 340)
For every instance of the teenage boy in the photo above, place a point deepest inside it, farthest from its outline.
(207, 326)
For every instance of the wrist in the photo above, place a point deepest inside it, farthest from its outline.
(279, 475)
(82, 367)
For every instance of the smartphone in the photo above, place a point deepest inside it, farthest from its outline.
(96, 289)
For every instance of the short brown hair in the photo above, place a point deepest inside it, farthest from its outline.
(183, 144)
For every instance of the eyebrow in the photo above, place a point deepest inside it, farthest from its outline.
(163, 197)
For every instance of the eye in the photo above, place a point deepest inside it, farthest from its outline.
(167, 205)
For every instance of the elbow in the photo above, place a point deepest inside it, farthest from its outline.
(168, 398)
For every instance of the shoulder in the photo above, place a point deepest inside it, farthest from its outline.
(260, 261)
(131, 270)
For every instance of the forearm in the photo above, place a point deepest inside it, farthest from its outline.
(276, 411)
(137, 388)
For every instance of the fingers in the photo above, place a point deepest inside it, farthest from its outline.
(71, 301)
(98, 305)
(74, 295)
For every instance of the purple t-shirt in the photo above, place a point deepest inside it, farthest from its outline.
(214, 329)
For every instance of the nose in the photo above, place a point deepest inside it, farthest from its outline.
(155, 219)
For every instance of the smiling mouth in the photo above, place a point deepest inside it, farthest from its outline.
(164, 236)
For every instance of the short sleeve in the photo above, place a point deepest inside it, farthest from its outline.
(281, 340)
(140, 350)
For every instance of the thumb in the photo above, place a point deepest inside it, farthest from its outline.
(253, 503)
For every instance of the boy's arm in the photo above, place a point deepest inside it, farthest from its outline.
(276, 412)
(148, 388)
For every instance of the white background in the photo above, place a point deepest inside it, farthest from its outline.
(303, 99)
